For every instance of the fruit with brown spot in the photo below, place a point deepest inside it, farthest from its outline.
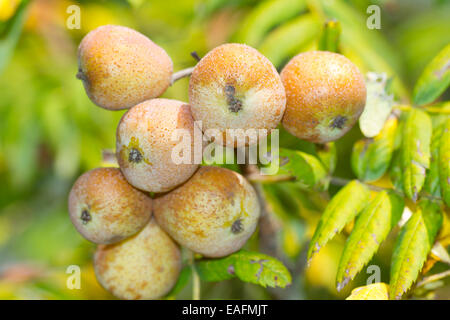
(105, 208)
(236, 87)
(147, 145)
(325, 93)
(213, 213)
(145, 266)
(121, 67)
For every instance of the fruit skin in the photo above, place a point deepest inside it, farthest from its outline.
(121, 67)
(325, 93)
(236, 87)
(105, 208)
(213, 213)
(145, 266)
(144, 144)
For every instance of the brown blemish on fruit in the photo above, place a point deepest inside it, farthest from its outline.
(135, 156)
(237, 226)
(338, 122)
(133, 152)
(235, 105)
(85, 216)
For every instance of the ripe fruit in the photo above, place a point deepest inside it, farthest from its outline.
(325, 94)
(145, 266)
(236, 87)
(213, 213)
(146, 141)
(121, 67)
(105, 208)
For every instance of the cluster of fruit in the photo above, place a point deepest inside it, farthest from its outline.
(209, 210)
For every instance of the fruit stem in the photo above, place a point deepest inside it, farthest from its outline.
(181, 74)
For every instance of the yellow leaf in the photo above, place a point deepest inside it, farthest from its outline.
(376, 291)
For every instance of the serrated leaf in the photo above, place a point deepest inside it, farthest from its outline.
(329, 39)
(431, 185)
(248, 266)
(444, 162)
(371, 157)
(182, 281)
(412, 247)
(344, 206)
(308, 170)
(415, 151)
(265, 17)
(327, 153)
(434, 79)
(371, 228)
(378, 105)
(375, 291)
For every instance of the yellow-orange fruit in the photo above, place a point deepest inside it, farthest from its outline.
(325, 93)
(150, 153)
(121, 67)
(105, 208)
(213, 213)
(236, 87)
(145, 266)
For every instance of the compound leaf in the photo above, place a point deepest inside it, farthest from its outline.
(412, 246)
(371, 228)
(344, 206)
(434, 79)
(247, 266)
(415, 151)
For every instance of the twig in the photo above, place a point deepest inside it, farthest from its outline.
(433, 278)
(181, 74)
(430, 109)
(196, 287)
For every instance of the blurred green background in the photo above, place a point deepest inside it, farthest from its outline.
(50, 132)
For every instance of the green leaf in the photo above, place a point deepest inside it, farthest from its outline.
(247, 266)
(344, 206)
(327, 153)
(329, 39)
(182, 281)
(395, 172)
(444, 163)
(289, 39)
(308, 170)
(412, 247)
(434, 79)
(9, 39)
(371, 157)
(431, 185)
(265, 17)
(378, 105)
(415, 151)
(371, 228)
